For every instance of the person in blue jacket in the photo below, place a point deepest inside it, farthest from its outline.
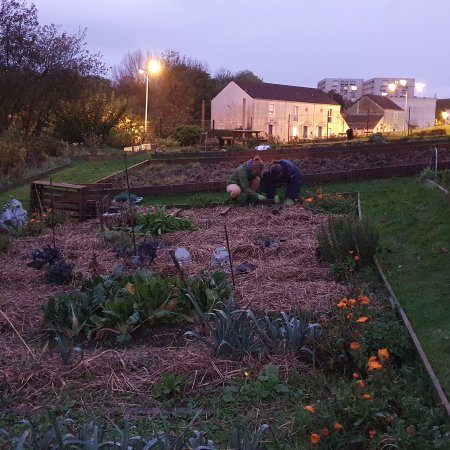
(282, 173)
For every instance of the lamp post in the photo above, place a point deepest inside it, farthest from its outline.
(153, 68)
(404, 84)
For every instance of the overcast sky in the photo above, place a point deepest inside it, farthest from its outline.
(294, 42)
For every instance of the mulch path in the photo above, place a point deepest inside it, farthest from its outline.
(288, 276)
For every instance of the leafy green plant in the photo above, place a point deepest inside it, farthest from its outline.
(342, 237)
(159, 222)
(169, 385)
(58, 270)
(187, 134)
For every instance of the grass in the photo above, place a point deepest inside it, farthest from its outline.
(78, 172)
(414, 225)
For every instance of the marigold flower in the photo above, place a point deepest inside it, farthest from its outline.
(373, 364)
(356, 258)
(349, 316)
(324, 432)
(338, 426)
(355, 346)
(383, 354)
(352, 302)
(360, 383)
(342, 304)
(315, 438)
(130, 289)
(355, 375)
(362, 319)
(309, 200)
(310, 409)
(364, 300)
(320, 196)
(372, 434)
(367, 397)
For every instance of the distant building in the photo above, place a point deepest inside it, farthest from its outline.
(279, 111)
(374, 113)
(350, 88)
(381, 86)
(419, 111)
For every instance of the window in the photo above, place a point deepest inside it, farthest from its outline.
(295, 113)
(330, 115)
(271, 108)
(306, 109)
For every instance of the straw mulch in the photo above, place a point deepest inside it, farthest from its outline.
(287, 277)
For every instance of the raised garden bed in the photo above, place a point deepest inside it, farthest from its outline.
(288, 276)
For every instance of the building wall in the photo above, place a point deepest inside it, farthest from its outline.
(420, 112)
(379, 86)
(227, 109)
(349, 88)
(276, 117)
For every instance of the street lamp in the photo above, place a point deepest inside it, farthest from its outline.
(153, 68)
(404, 84)
(444, 115)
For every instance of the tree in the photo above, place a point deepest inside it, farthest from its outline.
(40, 66)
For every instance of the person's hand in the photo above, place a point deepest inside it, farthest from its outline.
(288, 202)
(276, 199)
(261, 198)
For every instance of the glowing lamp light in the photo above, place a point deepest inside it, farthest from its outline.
(154, 66)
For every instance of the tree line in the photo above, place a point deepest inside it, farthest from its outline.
(50, 83)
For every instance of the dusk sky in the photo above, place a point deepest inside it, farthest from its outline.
(290, 42)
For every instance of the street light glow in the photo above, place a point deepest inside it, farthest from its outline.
(154, 66)
(420, 86)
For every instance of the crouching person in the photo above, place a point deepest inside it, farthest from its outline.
(244, 182)
(282, 173)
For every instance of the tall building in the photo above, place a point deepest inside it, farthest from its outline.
(390, 87)
(349, 88)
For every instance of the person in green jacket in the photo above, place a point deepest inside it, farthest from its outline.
(244, 182)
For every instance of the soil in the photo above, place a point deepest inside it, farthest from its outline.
(287, 277)
(166, 174)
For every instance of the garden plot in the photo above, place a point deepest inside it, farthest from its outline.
(161, 174)
(287, 277)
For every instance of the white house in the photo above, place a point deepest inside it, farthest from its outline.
(420, 111)
(281, 112)
(375, 113)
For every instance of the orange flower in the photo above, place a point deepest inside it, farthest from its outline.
(324, 432)
(367, 397)
(315, 438)
(373, 364)
(349, 316)
(364, 300)
(355, 375)
(360, 383)
(372, 434)
(338, 426)
(310, 409)
(355, 346)
(342, 304)
(383, 354)
(309, 200)
(357, 258)
(352, 302)
(362, 319)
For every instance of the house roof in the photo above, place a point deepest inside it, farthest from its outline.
(384, 102)
(362, 121)
(270, 91)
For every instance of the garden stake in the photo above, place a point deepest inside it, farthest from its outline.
(39, 199)
(229, 256)
(18, 334)
(189, 291)
(133, 236)
(52, 209)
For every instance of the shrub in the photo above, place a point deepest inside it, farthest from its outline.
(343, 237)
(167, 143)
(187, 134)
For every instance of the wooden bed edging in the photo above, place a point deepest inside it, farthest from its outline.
(439, 394)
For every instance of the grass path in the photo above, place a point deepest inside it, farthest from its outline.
(77, 172)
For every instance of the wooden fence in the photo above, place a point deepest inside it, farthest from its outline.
(77, 201)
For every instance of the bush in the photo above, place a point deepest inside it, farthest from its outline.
(119, 138)
(342, 237)
(187, 134)
(167, 143)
